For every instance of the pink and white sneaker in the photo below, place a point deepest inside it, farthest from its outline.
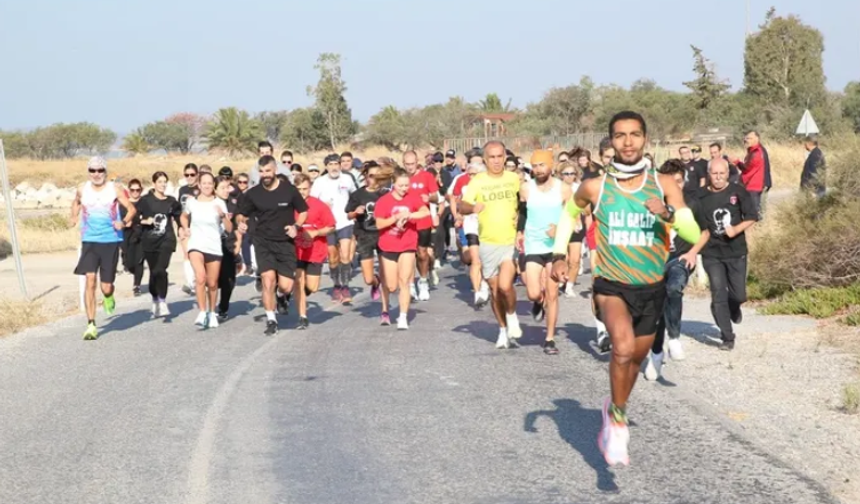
(613, 439)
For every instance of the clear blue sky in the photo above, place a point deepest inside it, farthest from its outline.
(124, 63)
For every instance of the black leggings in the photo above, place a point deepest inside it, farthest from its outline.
(132, 258)
(158, 261)
(226, 280)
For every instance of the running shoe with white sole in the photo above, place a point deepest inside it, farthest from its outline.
(434, 277)
(345, 295)
(156, 312)
(653, 366)
(613, 438)
(304, 323)
(163, 309)
(109, 305)
(423, 290)
(515, 332)
(91, 333)
(604, 342)
(201, 319)
(503, 341)
(549, 347)
(336, 295)
(222, 316)
(676, 349)
(271, 328)
(413, 291)
(374, 291)
(211, 320)
(402, 322)
(568, 290)
(283, 304)
(384, 319)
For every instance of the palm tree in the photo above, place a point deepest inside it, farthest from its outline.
(135, 143)
(233, 131)
(493, 104)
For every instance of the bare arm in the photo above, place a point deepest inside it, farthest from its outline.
(733, 231)
(123, 200)
(76, 208)
(422, 212)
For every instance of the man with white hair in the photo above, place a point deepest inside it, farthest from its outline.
(101, 234)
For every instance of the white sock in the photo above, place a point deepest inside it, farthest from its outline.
(189, 273)
(512, 319)
(270, 315)
(503, 331)
(601, 327)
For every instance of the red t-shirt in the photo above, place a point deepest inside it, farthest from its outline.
(462, 181)
(419, 184)
(319, 217)
(394, 238)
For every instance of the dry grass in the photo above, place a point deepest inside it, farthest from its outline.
(48, 233)
(17, 315)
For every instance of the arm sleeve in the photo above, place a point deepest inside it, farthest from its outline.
(522, 211)
(685, 225)
(564, 229)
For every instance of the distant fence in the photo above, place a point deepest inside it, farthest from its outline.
(590, 141)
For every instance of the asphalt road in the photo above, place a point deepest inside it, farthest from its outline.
(350, 412)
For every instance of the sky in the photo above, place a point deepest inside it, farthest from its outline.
(121, 64)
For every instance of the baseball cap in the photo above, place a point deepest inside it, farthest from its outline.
(226, 172)
(331, 158)
(97, 162)
(438, 158)
(313, 167)
(451, 154)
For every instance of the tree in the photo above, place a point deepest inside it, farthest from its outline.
(851, 104)
(706, 88)
(135, 143)
(192, 126)
(68, 140)
(561, 111)
(172, 137)
(305, 131)
(782, 62)
(16, 144)
(492, 104)
(330, 100)
(272, 123)
(233, 131)
(386, 128)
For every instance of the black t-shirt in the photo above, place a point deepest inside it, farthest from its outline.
(185, 192)
(595, 171)
(366, 222)
(165, 213)
(693, 176)
(716, 210)
(228, 240)
(274, 210)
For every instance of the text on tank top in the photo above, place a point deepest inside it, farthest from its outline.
(543, 210)
(633, 243)
(99, 211)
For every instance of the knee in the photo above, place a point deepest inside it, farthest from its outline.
(623, 349)
(534, 295)
(551, 294)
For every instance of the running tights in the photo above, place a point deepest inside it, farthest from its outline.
(227, 280)
(158, 262)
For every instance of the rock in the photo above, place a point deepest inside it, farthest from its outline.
(47, 197)
(48, 187)
(22, 187)
(31, 192)
(67, 194)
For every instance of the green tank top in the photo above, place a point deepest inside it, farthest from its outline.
(632, 243)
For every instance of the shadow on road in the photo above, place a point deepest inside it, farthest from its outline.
(578, 427)
(703, 332)
(584, 338)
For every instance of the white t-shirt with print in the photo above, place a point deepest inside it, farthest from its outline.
(335, 193)
(206, 226)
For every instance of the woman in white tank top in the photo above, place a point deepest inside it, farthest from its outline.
(204, 220)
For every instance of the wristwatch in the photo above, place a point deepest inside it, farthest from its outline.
(670, 210)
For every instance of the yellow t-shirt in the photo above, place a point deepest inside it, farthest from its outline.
(497, 222)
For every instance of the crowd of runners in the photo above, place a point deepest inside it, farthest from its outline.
(503, 218)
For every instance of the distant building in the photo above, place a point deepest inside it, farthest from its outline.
(493, 125)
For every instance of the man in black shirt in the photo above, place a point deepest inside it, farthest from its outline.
(278, 209)
(694, 174)
(725, 211)
(812, 178)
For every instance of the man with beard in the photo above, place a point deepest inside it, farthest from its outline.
(541, 202)
(265, 148)
(632, 233)
(725, 211)
(279, 210)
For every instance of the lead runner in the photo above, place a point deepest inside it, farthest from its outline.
(632, 232)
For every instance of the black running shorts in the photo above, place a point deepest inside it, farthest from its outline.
(425, 238)
(644, 302)
(101, 258)
(310, 268)
(542, 259)
(472, 240)
(366, 244)
(278, 256)
(395, 256)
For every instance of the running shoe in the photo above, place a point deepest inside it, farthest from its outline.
(737, 316)
(271, 328)
(375, 291)
(110, 305)
(437, 264)
(604, 342)
(345, 295)
(156, 312)
(258, 285)
(727, 346)
(283, 304)
(482, 297)
(549, 347)
(91, 333)
(385, 319)
(201, 319)
(503, 341)
(211, 320)
(188, 290)
(402, 322)
(163, 309)
(336, 295)
(568, 290)
(303, 323)
(136, 290)
(614, 438)
(676, 350)
(537, 311)
(515, 332)
(653, 366)
(413, 292)
(423, 290)
(222, 316)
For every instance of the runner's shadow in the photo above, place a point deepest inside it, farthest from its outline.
(584, 338)
(703, 332)
(578, 427)
(462, 287)
(487, 331)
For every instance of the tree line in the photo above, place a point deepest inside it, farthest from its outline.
(783, 75)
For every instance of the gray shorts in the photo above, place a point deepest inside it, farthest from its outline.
(341, 234)
(492, 257)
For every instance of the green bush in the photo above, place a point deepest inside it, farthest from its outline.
(820, 302)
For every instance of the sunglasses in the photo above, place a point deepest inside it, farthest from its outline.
(568, 174)
(189, 174)
(313, 171)
(134, 189)
(242, 182)
(96, 170)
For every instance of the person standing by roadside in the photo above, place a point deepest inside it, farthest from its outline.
(97, 202)
(132, 250)
(725, 211)
(755, 171)
(812, 178)
(159, 214)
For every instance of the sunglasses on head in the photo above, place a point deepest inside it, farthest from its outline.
(96, 170)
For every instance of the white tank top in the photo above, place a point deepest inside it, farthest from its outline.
(99, 211)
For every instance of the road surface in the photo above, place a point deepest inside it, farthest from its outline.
(350, 412)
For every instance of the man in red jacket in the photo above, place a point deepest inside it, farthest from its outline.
(755, 170)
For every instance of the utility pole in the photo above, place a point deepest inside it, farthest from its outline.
(10, 217)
